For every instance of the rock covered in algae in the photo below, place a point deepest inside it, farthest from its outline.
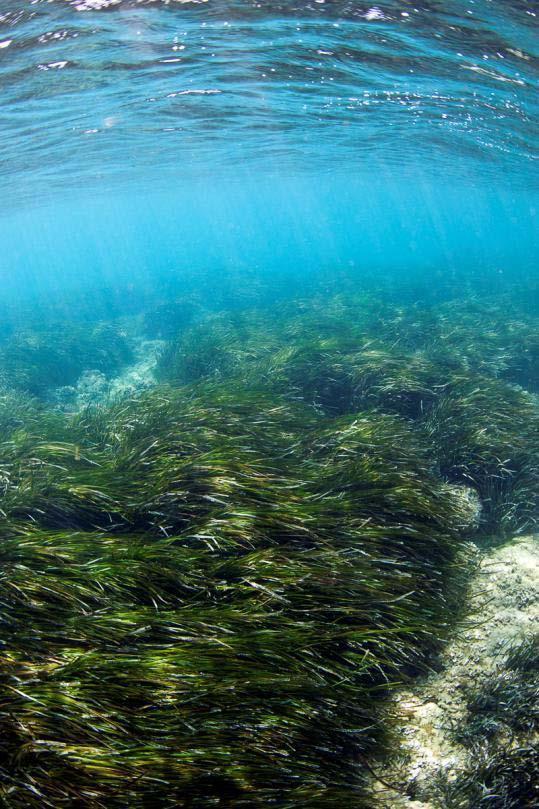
(468, 731)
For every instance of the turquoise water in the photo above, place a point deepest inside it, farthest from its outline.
(269, 377)
(142, 139)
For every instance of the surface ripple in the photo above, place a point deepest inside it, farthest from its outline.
(103, 90)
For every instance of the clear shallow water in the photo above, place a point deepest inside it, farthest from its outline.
(269, 360)
(158, 136)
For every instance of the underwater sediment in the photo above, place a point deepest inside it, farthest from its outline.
(210, 588)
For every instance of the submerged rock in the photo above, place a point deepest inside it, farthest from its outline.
(453, 735)
(470, 506)
(94, 387)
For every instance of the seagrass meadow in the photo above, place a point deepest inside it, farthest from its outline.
(209, 588)
(269, 404)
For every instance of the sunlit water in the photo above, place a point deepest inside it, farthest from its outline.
(269, 364)
(160, 136)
